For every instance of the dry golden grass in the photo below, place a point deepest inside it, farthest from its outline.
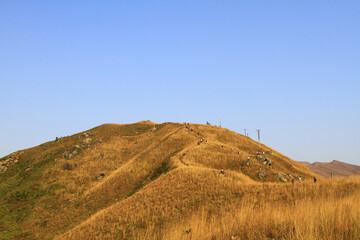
(216, 207)
(159, 182)
(309, 211)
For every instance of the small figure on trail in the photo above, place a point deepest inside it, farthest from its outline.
(292, 181)
(299, 179)
(222, 171)
(198, 143)
(222, 146)
(315, 179)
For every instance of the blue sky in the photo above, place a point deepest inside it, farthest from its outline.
(290, 68)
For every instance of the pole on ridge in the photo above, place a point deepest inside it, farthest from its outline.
(258, 130)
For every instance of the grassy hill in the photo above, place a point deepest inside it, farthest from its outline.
(162, 181)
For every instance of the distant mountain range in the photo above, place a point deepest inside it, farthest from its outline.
(334, 168)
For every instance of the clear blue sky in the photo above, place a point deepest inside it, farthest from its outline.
(290, 68)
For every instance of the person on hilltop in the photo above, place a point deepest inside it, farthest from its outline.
(315, 179)
(299, 179)
(222, 171)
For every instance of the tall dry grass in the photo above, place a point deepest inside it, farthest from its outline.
(327, 210)
(203, 205)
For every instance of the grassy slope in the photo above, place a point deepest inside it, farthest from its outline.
(215, 207)
(147, 176)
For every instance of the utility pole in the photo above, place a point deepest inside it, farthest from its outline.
(220, 122)
(245, 131)
(258, 130)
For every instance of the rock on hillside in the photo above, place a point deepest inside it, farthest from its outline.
(337, 168)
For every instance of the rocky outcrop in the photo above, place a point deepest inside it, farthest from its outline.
(6, 162)
(72, 152)
(264, 160)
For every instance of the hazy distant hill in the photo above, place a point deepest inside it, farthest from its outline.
(339, 169)
(305, 163)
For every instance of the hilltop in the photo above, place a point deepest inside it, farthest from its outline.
(334, 168)
(139, 181)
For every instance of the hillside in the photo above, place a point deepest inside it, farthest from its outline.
(307, 164)
(334, 168)
(138, 181)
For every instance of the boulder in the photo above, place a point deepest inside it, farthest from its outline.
(260, 158)
(72, 152)
(100, 176)
(87, 134)
(87, 140)
(267, 162)
(261, 175)
(282, 178)
(156, 127)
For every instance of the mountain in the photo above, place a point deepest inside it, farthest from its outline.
(334, 168)
(141, 180)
